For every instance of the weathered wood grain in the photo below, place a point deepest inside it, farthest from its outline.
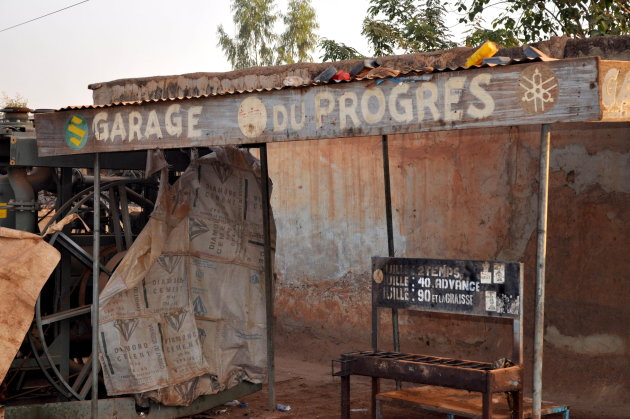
(531, 93)
(614, 82)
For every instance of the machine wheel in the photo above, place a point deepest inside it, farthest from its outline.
(61, 334)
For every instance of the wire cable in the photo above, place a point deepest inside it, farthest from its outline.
(40, 17)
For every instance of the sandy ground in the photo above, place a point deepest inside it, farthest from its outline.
(312, 392)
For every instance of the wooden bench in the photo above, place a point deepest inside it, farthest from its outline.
(456, 287)
(453, 402)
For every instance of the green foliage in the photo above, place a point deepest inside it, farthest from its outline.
(254, 40)
(17, 101)
(336, 51)
(536, 20)
(407, 25)
(299, 38)
(477, 35)
(256, 43)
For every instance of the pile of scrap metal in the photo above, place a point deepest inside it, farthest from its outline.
(182, 307)
(36, 193)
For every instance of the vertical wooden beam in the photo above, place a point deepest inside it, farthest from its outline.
(269, 289)
(541, 254)
(487, 398)
(517, 352)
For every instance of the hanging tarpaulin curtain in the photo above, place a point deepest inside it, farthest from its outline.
(26, 262)
(184, 313)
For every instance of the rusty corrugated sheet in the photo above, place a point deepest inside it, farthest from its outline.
(407, 73)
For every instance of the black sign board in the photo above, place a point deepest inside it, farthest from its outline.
(474, 287)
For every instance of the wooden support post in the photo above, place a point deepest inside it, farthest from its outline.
(541, 254)
(269, 289)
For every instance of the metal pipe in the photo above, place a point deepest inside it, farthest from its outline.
(388, 197)
(543, 197)
(390, 237)
(25, 220)
(40, 178)
(390, 231)
(269, 290)
(96, 243)
(87, 180)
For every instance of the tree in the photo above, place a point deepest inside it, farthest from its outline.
(17, 101)
(337, 51)
(393, 26)
(256, 43)
(477, 35)
(254, 39)
(406, 25)
(419, 25)
(299, 37)
(533, 21)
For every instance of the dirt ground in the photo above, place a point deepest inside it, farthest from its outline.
(312, 392)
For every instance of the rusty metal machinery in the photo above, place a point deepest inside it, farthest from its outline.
(34, 193)
(50, 376)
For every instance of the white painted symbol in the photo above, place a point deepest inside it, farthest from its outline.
(252, 117)
(537, 90)
(499, 273)
(491, 301)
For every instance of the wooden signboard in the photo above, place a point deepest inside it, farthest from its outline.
(614, 82)
(474, 287)
(527, 93)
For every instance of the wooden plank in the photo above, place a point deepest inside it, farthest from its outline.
(507, 379)
(458, 402)
(614, 82)
(528, 93)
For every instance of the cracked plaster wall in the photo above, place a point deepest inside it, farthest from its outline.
(468, 194)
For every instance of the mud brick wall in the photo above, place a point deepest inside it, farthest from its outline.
(462, 194)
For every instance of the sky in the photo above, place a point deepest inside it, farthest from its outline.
(51, 61)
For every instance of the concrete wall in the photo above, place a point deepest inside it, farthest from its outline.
(463, 194)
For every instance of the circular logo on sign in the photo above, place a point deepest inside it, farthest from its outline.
(378, 276)
(538, 89)
(252, 117)
(76, 132)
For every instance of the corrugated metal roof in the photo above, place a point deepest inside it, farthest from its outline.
(403, 74)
